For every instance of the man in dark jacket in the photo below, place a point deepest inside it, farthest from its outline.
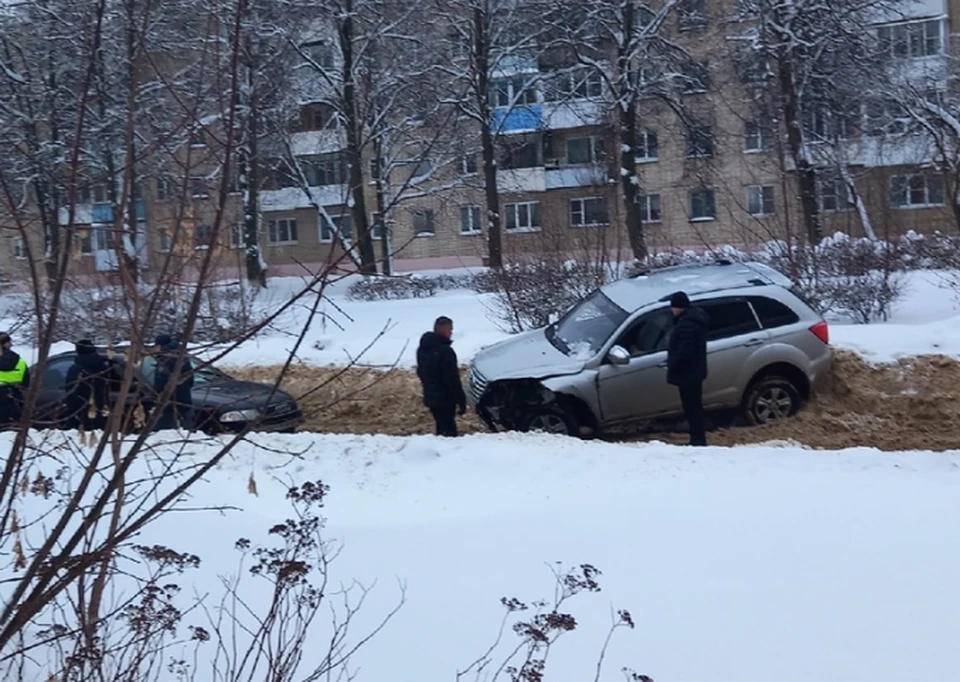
(14, 378)
(88, 392)
(180, 409)
(687, 362)
(439, 374)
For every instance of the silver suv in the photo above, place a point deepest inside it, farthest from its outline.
(604, 363)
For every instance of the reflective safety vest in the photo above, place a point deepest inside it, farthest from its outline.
(14, 377)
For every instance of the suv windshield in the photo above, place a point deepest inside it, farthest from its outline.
(583, 330)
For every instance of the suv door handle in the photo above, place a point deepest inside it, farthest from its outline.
(753, 342)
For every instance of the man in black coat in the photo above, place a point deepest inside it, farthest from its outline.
(439, 374)
(169, 355)
(87, 388)
(687, 361)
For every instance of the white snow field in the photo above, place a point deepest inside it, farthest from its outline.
(925, 321)
(755, 564)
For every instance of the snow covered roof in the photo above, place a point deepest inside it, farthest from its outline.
(636, 292)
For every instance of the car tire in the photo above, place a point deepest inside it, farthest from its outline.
(553, 420)
(770, 399)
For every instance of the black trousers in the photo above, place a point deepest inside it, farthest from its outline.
(446, 420)
(691, 397)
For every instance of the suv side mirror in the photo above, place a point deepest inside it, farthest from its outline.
(618, 355)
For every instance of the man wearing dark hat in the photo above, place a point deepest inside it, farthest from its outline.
(687, 361)
(169, 356)
(87, 388)
(14, 377)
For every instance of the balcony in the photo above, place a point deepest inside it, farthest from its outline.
(315, 142)
(98, 214)
(521, 180)
(576, 176)
(573, 114)
(293, 198)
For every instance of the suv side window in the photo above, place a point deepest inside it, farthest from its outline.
(649, 334)
(729, 318)
(773, 313)
(55, 374)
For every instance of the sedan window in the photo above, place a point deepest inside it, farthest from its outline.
(55, 375)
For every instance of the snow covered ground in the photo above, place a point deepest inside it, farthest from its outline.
(925, 321)
(386, 333)
(759, 564)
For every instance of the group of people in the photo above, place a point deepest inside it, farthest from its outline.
(87, 400)
(443, 393)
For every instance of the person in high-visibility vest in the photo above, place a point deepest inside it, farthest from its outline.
(14, 378)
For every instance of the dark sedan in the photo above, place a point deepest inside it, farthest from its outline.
(220, 403)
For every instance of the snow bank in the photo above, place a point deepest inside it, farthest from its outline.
(748, 565)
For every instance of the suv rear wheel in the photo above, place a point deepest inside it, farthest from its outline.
(549, 420)
(769, 399)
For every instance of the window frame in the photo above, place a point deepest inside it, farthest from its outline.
(335, 228)
(646, 208)
(204, 192)
(839, 185)
(474, 220)
(765, 201)
(583, 211)
(273, 229)
(753, 301)
(643, 144)
(595, 145)
(532, 209)
(663, 342)
(705, 192)
(430, 216)
(700, 132)
(18, 247)
(761, 136)
(908, 191)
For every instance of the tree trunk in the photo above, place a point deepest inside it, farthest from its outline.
(383, 184)
(806, 172)
(482, 69)
(628, 135)
(256, 272)
(357, 200)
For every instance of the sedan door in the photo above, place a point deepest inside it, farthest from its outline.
(53, 391)
(638, 391)
(734, 335)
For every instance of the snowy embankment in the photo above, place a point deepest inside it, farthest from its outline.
(747, 565)
(386, 333)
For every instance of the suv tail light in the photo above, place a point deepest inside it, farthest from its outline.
(821, 331)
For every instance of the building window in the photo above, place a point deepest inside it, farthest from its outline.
(755, 137)
(913, 39)
(323, 172)
(18, 247)
(574, 84)
(522, 155)
(691, 14)
(917, 190)
(590, 211)
(202, 236)
(754, 69)
(198, 138)
(650, 208)
(374, 169)
(584, 150)
(760, 200)
(513, 92)
(281, 232)
(94, 194)
(424, 223)
(164, 189)
(699, 140)
(696, 77)
(468, 164)
(199, 187)
(833, 195)
(166, 241)
(376, 226)
(702, 206)
(236, 236)
(470, 220)
(885, 118)
(333, 226)
(648, 146)
(422, 169)
(523, 217)
(320, 53)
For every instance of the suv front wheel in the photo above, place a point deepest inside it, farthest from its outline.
(549, 420)
(770, 399)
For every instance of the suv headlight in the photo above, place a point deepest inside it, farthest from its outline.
(239, 416)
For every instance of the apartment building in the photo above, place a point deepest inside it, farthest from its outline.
(717, 175)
